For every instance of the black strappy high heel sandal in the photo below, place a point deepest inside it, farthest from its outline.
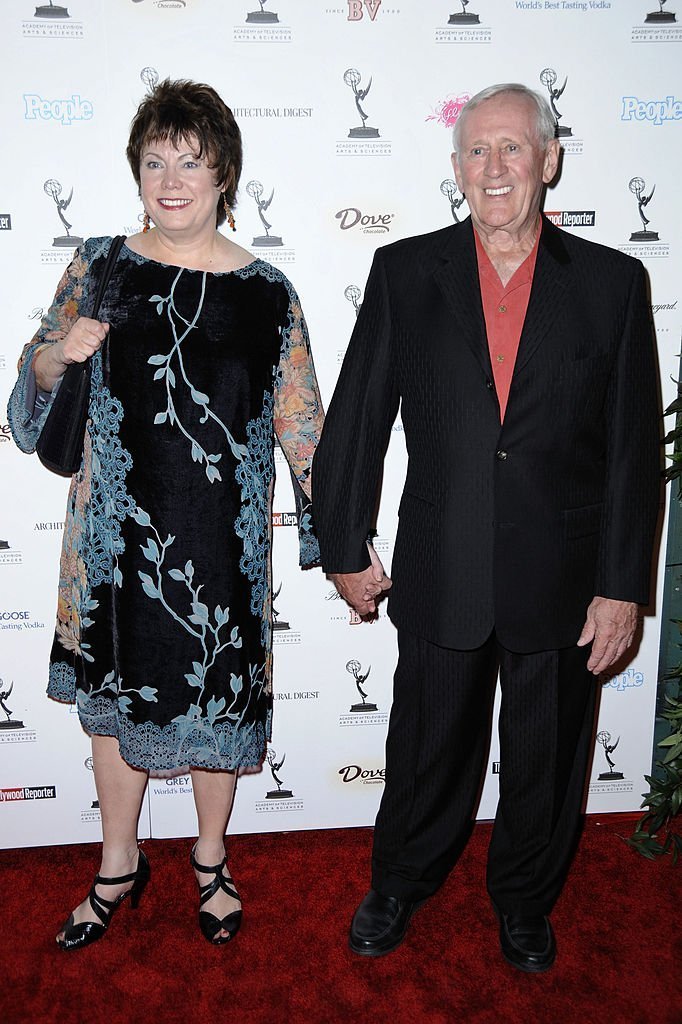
(76, 936)
(210, 924)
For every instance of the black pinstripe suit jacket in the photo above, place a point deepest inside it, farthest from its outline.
(517, 525)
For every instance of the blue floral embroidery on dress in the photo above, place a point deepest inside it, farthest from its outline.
(217, 739)
(62, 682)
(252, 474)
(169, 747)
(110, 502)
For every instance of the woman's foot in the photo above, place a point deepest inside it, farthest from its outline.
(128, 873)
(220, 909)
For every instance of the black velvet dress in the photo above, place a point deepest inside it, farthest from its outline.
(164, 623)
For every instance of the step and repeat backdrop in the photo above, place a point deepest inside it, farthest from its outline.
(346, 110)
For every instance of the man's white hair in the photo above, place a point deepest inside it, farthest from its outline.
(545, 125)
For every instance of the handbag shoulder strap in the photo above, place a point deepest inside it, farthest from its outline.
(112, 256)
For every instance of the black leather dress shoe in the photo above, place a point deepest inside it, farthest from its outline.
(527, 942)
(379, 924)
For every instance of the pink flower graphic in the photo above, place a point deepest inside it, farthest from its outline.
(448, 110)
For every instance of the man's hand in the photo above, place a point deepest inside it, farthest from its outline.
(360, 589)
(611, 626)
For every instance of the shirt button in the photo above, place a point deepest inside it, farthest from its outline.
(501, 455)
(501, 309)
(499, 358)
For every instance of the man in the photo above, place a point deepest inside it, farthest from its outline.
(522, 357)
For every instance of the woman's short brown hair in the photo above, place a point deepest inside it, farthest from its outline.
(192, 111)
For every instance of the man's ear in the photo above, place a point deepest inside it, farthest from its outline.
(551, 163)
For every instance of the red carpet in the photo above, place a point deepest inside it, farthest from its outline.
(617, 925)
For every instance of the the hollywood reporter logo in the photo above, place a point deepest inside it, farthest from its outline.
(15, 793)
(571, 218)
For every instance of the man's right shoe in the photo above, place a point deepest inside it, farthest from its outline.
(379, 924)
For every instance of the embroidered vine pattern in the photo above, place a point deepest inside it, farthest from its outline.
(113, 687)
(166, 373)
(198, 624)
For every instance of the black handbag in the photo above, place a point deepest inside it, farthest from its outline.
(60, 445)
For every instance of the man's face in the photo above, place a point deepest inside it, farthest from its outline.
(501, 167)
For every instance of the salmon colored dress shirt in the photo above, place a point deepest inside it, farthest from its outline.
(504, 309)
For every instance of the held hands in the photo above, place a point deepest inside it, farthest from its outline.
(82, 341)
(611, 626)
(361, 589)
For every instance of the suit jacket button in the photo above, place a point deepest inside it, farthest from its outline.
(501, 455)
(489, 385)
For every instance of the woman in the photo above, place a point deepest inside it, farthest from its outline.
(200, 355)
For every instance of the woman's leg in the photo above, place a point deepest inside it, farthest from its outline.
(120, 789)
(213, 796)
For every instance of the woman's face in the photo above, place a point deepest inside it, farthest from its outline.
(178, 189)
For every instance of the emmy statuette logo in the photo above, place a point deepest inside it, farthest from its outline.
(275, 766)
(449, 190)
(638, 188)
(278, 623)
(604, 738)
(51, 10)
(89, 765)
(660, 17)
(150, 78)
(262, 17)
(354, 295)
(53, 189)
(464, 17)
(352, 78)
(548, 77)
(11, 723)
(255, 190)
(355, 669)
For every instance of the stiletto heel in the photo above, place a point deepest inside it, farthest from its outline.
(210, 924)
(76, 936)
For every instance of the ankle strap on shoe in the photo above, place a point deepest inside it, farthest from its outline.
(214, 870)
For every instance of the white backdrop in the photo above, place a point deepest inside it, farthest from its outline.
(72, 78)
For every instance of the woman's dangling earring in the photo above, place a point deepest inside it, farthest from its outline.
(228, 213)
(145, 223)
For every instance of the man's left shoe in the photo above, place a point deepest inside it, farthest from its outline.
(527, 942)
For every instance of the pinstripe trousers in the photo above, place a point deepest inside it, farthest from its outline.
(436, 752)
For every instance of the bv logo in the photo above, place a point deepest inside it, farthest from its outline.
(357, 8)
(65, 111)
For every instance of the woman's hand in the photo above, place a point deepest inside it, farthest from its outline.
(82, 341)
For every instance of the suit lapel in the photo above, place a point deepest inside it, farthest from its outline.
(457, 278)
(547, 301)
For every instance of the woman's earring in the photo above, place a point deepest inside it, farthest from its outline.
(228, 213)
(145, 223)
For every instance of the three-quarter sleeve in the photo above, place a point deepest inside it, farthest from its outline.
(28, 407)
(298, 418)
